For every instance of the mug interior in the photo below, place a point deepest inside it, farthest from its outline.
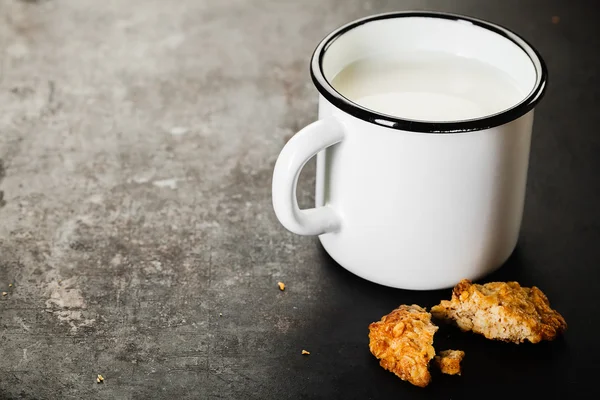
(399, 33)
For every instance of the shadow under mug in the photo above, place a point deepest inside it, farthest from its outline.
(414, 204)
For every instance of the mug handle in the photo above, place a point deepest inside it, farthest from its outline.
(295, 154)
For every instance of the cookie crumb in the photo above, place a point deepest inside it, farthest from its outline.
(281, 286)
(555, 19)
(4, 293)
(10, 285)
(100, 379)
(305, 353)
(220, 314)
(448, 361)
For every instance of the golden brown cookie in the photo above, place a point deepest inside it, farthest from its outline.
(403, 342)
(502, 310)
(448, 361)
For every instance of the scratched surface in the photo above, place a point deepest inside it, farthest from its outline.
(137, 141)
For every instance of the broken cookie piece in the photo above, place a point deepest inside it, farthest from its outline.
(503, 311)
(403, 342)
(448, 361)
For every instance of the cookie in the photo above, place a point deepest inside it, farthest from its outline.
(403, 342)
(503, 311)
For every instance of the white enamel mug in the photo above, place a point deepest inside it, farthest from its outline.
(414, 204)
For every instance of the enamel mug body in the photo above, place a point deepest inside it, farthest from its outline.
(413, 204)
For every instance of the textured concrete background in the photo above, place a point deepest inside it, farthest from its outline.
(137, 140)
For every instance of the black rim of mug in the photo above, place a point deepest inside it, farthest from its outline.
(388, 121)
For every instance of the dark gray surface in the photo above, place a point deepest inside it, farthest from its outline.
(137, 140)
